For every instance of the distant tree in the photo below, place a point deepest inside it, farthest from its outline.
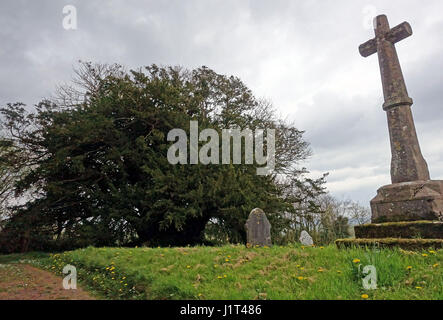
(358, 214)
(338, 217)
(98, 171)
(323, 216)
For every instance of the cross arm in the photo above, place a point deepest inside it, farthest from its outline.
(396, 34)
(368, 48)
(400, 32)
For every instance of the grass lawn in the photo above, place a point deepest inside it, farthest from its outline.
(237, 272)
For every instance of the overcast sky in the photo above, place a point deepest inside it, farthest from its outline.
(301, 55)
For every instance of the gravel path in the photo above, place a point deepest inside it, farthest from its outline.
(25, 282)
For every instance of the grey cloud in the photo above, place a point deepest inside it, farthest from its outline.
(302, 55)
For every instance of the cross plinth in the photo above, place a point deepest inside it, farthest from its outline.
(412, 195)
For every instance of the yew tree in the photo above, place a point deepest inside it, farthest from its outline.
(96, 162)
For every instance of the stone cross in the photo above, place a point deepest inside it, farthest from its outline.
(407, 162)
(258, 228)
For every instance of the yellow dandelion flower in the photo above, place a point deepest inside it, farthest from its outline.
(300, 278)
(364, 296)
(322, 247)
(220, 277)
(188, 267)
(126, 284)
(418, 288)
(436, 265)
(124, 278)
(224, 276)
(338, 271)
(229, 256)
(356, 260)
(199, 294)
(408, 267)
(432, 251)
(302, 268)
(424, 254)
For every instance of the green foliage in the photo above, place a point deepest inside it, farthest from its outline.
(99, 173)
(8, 173)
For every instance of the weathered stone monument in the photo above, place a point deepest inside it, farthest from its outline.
(306, 239)
(258, 228)
(413, 203)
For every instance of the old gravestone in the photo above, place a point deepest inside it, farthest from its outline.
(306, 239)
(258, 228)
(412, 206)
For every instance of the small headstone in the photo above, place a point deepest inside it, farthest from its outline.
(306, 239)
(258, 228)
